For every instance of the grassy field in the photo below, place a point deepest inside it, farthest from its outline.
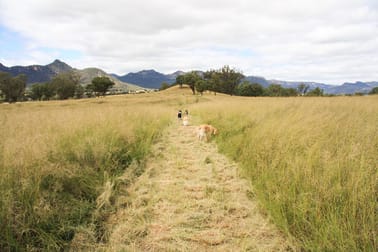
(60, 160)
(312, 161)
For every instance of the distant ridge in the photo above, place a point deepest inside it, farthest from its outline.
(88, 74)
(346, 88)
(149, 78)
(152, 79)
(39, 73)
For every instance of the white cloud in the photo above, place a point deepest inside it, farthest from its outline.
(324, 40)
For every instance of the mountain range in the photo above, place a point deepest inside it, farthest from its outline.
(149, 78)
(152, 79)
(39, 74)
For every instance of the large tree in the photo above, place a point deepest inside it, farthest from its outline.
(212, 79)
(224, 80)
(274, 90)
(66, 84)
(100, 85)
(248, 89)
(42, 91)
(201, 86)
(190, 79)
(12, 88)
(180, 80)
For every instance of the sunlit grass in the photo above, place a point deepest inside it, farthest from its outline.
(312, 161)
(58, 157)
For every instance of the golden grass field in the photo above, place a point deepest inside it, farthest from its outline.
(57, 156)
(312, 162)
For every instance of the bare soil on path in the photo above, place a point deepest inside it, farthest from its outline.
(191, 198)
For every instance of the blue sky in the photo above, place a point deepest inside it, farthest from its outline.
(16, 50)
(330, 41)
(11, 43)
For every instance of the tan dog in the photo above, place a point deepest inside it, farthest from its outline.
(205, 131)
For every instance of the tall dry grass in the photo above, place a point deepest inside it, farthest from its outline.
(59, 163)
(312, 161)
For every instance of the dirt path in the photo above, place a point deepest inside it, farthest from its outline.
(191, 198)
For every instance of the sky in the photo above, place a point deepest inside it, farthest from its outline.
(328, 41)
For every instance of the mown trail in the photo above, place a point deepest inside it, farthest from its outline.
(191, 198)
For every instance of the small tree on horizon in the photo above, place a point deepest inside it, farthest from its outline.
(164, 86)
(303, 88)
(274, 90)
(315, 92)
(250, 89)
(180, 80)
(100, 85)
(374, 91)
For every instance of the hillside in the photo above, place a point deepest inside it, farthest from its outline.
(149, 78)
(346, 88)
(88, 74)
(152, 79)
(39, 73)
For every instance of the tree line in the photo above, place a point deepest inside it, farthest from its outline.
(67, 85)
(62, 86)
(232, 82)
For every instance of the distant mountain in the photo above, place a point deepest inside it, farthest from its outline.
(38, 73)
(59, 67)
(295, 84)
(149, 78)
(174, 75)
(88, 74)
(351, 88)
(346, 88)
(153, 79)
(259, 80)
